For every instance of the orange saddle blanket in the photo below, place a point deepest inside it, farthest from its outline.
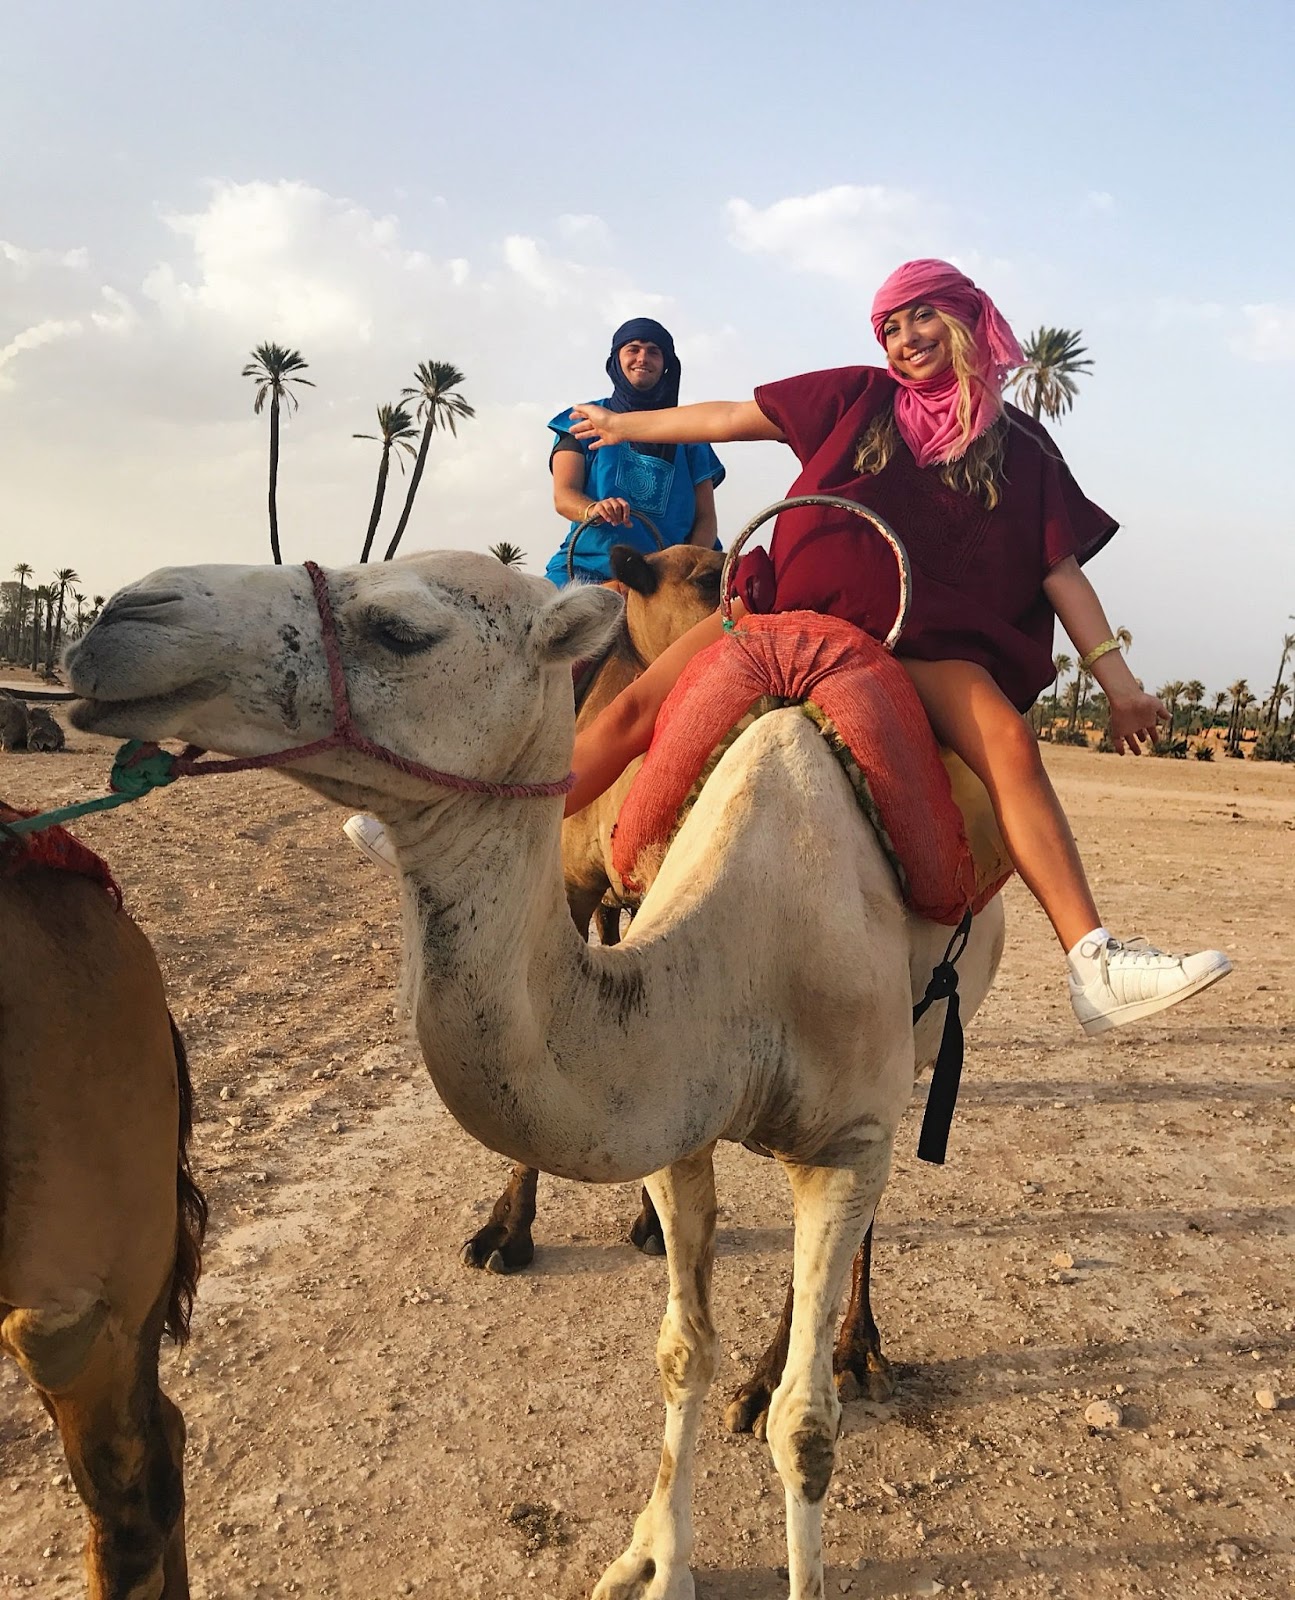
(924, 805)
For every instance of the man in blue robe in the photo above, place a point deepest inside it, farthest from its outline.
(673, 485)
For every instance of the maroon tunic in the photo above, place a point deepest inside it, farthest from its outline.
(977, 574)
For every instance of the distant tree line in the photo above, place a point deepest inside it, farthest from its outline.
(38, 619)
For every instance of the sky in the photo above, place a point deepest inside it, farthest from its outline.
(499, 184)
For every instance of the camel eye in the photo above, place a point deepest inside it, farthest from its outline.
(402, 638)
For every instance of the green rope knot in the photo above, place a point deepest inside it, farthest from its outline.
(140, 768)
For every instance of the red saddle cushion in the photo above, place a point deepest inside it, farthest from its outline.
(52, 847)
(805, 656)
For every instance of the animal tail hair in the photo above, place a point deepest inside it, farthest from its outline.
(191, 1207)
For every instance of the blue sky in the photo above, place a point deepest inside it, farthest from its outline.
(498, 184)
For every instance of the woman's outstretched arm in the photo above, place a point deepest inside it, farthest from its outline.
(711, 422)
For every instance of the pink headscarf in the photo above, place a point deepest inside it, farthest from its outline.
(926, 409)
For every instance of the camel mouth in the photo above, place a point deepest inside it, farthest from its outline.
(146, 717)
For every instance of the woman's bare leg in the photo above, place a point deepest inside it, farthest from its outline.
(971, 715)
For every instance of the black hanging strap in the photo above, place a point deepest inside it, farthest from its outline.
(947, 1072)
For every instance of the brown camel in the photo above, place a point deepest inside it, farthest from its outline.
(101, 1222)
(666, 593)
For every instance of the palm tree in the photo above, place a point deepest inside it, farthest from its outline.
(78, 621)
(65, 577)
(271, 368)
(512, 555)
(395, 430)
(1171, 694)
(22, 572)
(42, 595)
(1219, 698)
(1193, 695)
(438, 406)
(1054, 358)
(1271, 710)
(1241, 698)
(1061, 665)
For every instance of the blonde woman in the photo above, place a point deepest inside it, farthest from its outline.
(997, 531)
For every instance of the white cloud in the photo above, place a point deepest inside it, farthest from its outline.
(28, 261)
(1099, 201)
(1269, 334)
(33, 338)
(852, 232)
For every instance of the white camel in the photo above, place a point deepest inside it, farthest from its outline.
(763, 994)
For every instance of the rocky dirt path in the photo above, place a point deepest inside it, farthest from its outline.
(369, 1419)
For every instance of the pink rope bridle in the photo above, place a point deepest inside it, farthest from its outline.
(346, 736)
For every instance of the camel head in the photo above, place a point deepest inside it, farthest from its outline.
(666, 592)
(451, 660)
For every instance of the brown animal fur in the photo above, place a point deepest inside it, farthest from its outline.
(101, 1222)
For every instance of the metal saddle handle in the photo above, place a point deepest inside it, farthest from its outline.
(588, 522)
(881, 526)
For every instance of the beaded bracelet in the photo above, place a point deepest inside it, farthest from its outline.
(1096, 653)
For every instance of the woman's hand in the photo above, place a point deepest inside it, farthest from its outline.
(611, 510)
(1133, 717)
(596, 426)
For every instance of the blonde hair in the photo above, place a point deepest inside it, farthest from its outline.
(977, 469)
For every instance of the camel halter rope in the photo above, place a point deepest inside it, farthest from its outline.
(142, 767)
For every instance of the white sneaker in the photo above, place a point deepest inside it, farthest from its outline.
(370, 838)
(1113, 982)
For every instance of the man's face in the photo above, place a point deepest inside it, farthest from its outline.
(642, 363)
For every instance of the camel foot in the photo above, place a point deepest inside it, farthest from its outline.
(638, 1577)
(863, 1375)
(748, 1410)
(496, 1249)
(646, 1232)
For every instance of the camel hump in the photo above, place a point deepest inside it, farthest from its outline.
(864, 703)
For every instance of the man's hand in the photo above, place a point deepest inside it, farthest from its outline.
(1133, 717)
(611, 510)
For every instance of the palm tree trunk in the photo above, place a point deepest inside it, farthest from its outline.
(379, 492)
(1074, 703)
(35, 637)
(1273, 708)
(17, 638)
(56, 633)
(1038, 400)
(415, 478)
(274, 479)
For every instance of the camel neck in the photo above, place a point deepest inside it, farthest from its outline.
(549, 1050)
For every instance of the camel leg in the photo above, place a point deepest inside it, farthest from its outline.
(858, 1363)
(655, 1566)
(505, 1244)
(861, 1369)
(834, 1207)
(609, 924)
(124, 1443)
(645, 1231)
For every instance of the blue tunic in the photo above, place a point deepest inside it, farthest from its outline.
(662, 489)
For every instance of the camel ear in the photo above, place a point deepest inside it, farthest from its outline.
(577, 625)
(633, 569)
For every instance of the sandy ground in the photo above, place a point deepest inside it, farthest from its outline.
(367, 1418)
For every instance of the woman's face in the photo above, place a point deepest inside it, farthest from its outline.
(918, 343)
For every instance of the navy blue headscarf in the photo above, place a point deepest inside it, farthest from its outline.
(665, 391)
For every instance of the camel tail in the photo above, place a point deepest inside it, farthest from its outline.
(191, 1207)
